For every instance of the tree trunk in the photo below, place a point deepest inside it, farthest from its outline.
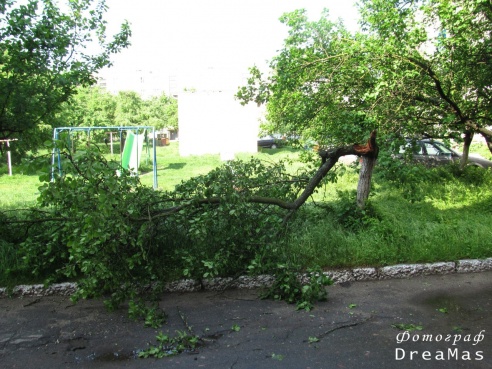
(365, 176)
(466, 149)
(369, 153)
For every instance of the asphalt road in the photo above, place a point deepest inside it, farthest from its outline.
(358, 327)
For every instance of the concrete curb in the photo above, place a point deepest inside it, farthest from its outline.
(246, 282)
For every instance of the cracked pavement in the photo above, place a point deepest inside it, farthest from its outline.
(355, 328)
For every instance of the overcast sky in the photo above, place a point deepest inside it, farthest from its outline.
(191, 42)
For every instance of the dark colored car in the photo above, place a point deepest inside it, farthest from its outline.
(269, 142)
(432, 153)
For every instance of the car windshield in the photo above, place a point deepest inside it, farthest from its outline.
(441, 149)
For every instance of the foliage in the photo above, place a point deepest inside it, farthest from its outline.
(405, 175)
(409, 176)
(312, 93)
(350, 216)
(128, 109)
(88, 107)
(434, 63)
(123, 241)
(94, 107)
(418, 67)
(9, 260)
(43, 59)
(150, 313)
(426, 229)
(236, 230)
(97, 224)
(289, 286)
(407, 327)
(404, 227)
(162, 112)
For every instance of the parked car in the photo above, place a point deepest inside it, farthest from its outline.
(432, 153)
(269, 142)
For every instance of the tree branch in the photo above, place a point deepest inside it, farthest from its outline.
(329, 159)
(430, 72)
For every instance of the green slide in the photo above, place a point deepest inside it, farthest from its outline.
(132, 151)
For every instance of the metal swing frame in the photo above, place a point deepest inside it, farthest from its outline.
(56, 156)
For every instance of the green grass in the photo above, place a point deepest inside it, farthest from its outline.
(452, 221)
(172, 168)
(18, 191)
(482, 149)
(395, 239)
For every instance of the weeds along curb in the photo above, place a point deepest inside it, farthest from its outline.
(246, 282)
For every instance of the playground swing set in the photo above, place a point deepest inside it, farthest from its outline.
(134, 139)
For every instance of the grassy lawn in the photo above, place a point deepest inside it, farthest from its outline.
(18, 190)
(437, 229)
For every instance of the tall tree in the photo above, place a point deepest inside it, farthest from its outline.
(129, 109)
(434, 62)
(44, 56)
(317, 89)
(162, 112)
(317, 84)
(172, 114)
(88, 107)
(418, 67)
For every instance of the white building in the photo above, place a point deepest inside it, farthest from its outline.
(215, 123)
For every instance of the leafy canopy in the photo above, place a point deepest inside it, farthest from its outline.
(46, 51)
(95, 107)
(416, 68)
(314, 88)
(434, 60)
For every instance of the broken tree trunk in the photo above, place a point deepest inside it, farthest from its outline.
(488, 140)
(369, 153)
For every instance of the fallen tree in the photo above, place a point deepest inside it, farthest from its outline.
(117, 237)
(367, 152)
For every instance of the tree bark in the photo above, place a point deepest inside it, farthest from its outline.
(369, 154)
(365, 176)
(466, 149)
